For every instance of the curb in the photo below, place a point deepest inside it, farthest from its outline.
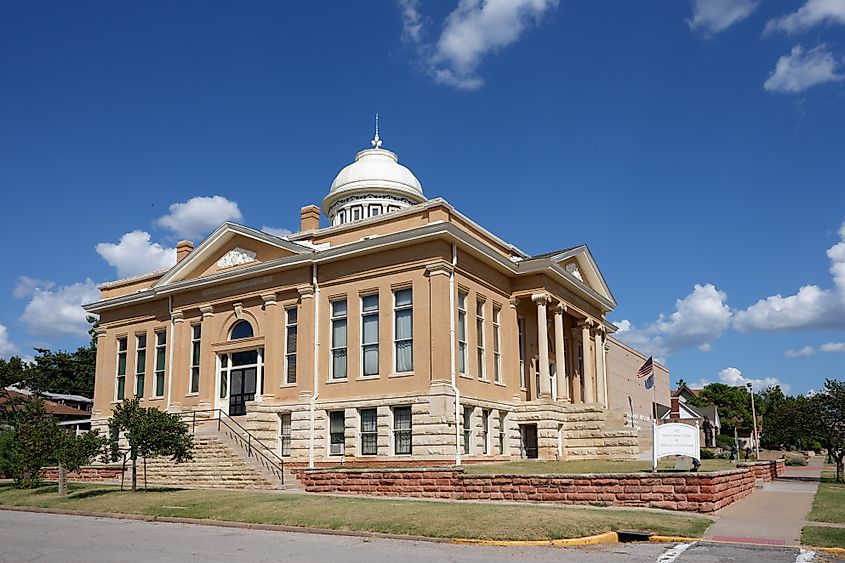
(673, 539)
(607, 537)
(682, 539)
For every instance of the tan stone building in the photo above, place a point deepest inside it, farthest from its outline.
(401, 331)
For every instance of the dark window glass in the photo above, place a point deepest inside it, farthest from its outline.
(369, 432)
(242, 329)
(402, 430)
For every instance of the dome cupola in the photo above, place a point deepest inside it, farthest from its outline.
(372, 185)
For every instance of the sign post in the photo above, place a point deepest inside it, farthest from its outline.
(675, 439)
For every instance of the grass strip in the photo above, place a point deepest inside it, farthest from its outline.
(420, 518)
(823, 536)
(585, 466)
(829, 504)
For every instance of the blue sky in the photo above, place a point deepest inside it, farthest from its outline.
(697, 147)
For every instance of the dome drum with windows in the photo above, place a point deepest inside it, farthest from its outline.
(372, 185)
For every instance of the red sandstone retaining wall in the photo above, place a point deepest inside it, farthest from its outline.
(766, 470)
(88, 473)
(693, 492)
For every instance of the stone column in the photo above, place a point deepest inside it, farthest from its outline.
(208, 359)
(589, 392)
(441, 345)
(306, 340)
(273, 356)
(560, 355)
(543, 344)
(600, 383)
(576, 371)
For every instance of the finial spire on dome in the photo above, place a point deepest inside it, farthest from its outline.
(376, 142)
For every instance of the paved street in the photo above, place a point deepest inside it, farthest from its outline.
(51, 537)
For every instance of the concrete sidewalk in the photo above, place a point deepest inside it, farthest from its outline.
(772, 515)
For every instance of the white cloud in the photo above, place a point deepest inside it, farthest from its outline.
(800, 70)
(833, 347)
(7, 348)
(276, 231)
(699, 318)
(733, 376)
(474, 29)
(26, 286)
(804, 352)
(714, 16)
(135, 254)
(195, 218)
(56, 312)
(813, 13)
(811, 307)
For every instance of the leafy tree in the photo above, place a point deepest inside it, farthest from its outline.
(831, 409)
(64, 372)
(149, 432)
(791, 422)
(72, 452)
(32, 444)
(734, 404)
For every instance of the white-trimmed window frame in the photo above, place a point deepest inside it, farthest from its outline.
(140, 374)
(374, 207)
(486, 444)
(366, 345)
(497, 343)
(480, 348)
(356, 212)
(363, 433)
(122, 350)
(334, 349)
(329, 432)
(395, 430)
(285, 437)
(520, 329)
(462, 331)
(160, 364)
(291, 355)
(196, 354)
(396, 341)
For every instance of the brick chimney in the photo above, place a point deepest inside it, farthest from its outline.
(675, 411)
(183, 248)
(309, 218)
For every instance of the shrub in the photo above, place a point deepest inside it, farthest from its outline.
(795, 460)
(724, 441)
(707, 454)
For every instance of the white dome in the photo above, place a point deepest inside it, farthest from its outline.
(376, 175)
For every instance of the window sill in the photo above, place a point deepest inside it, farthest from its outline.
(483, 380)
(283, 385)
(368, 378)
(339, 380)
(403, 374)
(155, 398)
(197, 394)
(465, 376)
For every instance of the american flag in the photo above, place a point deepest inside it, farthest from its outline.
(647, 368)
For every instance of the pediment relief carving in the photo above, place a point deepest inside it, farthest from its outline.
(236, 257)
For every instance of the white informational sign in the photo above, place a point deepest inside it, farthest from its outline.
(676, 439)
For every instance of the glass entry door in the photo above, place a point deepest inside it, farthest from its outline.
(241, 377)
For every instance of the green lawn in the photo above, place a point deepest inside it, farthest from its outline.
(433, 519)
(829, 504)
(823, 536)
(586, 466)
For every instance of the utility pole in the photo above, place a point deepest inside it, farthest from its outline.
(754, 417)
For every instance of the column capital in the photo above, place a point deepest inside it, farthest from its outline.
(541, 297)
(177, 317)
(207, 311)
(586, 323)
(513, 302)
(99, 332)
(268, 298)
(441, 268)
(561, 308)
(305, 291)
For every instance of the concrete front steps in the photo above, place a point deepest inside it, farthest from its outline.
(216, 464)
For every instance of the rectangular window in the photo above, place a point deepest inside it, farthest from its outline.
(497, 345)
(196, 335)
(290, 345)
(161, 356)
(520, 322)
(392, 208)
(485, 431)
(369, 432)
(369, 333)
(402, 431)
(284, 433)
(375, 210)
(336, 432)
(120, 377)
(357, 213)
(404, 330)
(462, 331)
(479, 335)
(467, 429)
(339, 339)
(503, 431)
(140, 364)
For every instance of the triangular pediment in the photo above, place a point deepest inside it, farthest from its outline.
(230, 247)
(578, 264)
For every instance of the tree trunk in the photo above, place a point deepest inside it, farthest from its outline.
(62, 480)
(134, 471)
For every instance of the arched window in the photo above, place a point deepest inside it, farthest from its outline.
(242, 329)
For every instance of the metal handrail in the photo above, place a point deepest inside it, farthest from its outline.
(276, 466)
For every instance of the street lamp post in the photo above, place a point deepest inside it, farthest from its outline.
(754, 418)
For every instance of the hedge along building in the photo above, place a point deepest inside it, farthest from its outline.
(402, 331)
